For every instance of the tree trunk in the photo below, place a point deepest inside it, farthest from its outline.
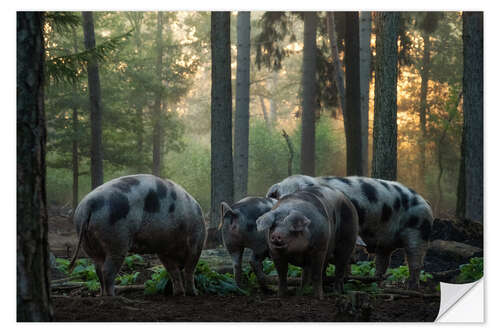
(96, 170)
(33, 275)
(365, 55)
(221, 113)
(473, 116)
(264, 110)
(74, 158)
(273, 112)
(74, 153)
(136, 20)
(242, 116)
(157, 108)
(352, 116)
(423, 110)
(338, 75)
(384, 162)
(307, 156)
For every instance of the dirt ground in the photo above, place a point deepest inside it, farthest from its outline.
(159, 308)
(77, 305)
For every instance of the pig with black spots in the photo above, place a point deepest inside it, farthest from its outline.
(141, 214)
(391, 216)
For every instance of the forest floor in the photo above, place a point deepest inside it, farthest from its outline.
(80, 304)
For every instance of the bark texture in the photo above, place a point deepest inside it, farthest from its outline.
(352, 116)
(384, 162)
(158, 130)
(471, 193)
(308, 147)
(241, 123)
(221, 113)
(96, 170)
(365, 56)
(33, 279)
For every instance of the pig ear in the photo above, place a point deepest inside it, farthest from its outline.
(265, 221)
(273, 192)
(224, 209)
(298, 222)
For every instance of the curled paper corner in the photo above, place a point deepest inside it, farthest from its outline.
(461, 303)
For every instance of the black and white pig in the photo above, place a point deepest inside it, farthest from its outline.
(391, 216)
(141, 214)
(310, 228)
(239, 231)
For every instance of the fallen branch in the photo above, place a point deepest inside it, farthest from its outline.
(408, 292)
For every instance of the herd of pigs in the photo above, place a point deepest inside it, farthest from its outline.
(306, 221)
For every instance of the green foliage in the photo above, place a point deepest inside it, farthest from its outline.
(62, 265)
(207, 281)
(402, 273)
(126, 279)
(363, 268)
(471, 271)
(134, 260)
(84, 270)
(191, 169)
(157, 282)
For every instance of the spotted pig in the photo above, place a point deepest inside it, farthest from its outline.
(391, 216)
(141, 214)
(239, 231)
(310, 228)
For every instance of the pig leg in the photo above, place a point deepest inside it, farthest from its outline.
(382, 261)
(282, 268)
(189, 277)
(317, 265)
(256, 263)
(98, 269)
(306, 276)
(236, 257)
(111, 266)
(415, 258)
(175, 273)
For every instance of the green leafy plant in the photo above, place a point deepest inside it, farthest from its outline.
(363, 268)
(134, 260)
(84, 270)
(330, 270)
(402, 273)
(207, 281)
(157, 282)
(62, 265)
(126, 279)
(472, 271)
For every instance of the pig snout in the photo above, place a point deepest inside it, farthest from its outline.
(277, 239)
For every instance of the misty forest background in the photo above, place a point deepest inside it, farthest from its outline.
(154, 73)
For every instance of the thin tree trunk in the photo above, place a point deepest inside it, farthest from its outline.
(74, 154)
(272, 102)
(157, 108)
(96, 169)
(33, 275)
(242, 116)
(136, 20)
(423, 110)
(473, 115)
(264, 110)
(338, 74)
(384, 162)
(365, 30)
(352, 116)
(307, 156)
(222, 180)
